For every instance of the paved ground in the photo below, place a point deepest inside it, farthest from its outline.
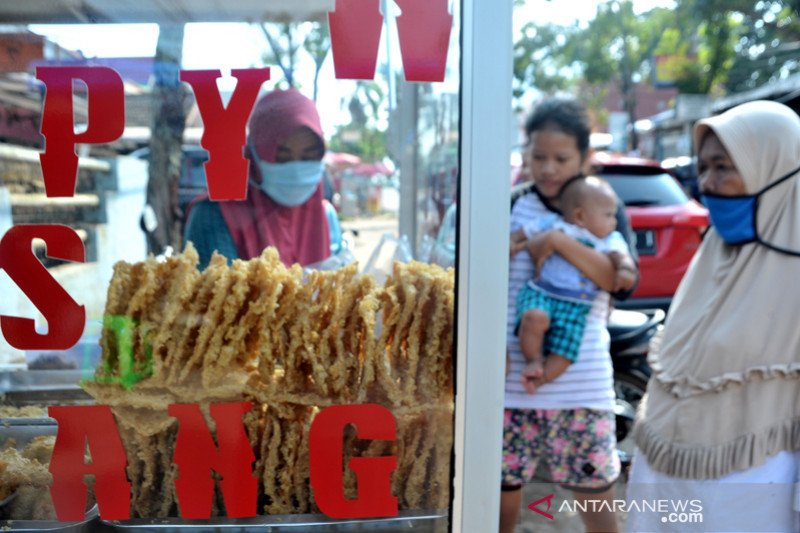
(369, 235)
(566, 522)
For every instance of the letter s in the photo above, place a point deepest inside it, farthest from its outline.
(65, 318)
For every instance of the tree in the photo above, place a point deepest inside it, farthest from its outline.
(288, 38)
(737, 44)
(617, 45)
(284, 41)
(538, 61)
(318, 44)
(362, 136)
(767, 40)
(166, 156)
(716, 46)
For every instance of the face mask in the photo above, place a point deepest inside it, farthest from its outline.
(734, 217)
(290, 184)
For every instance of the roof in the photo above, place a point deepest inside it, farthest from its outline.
(783, 90)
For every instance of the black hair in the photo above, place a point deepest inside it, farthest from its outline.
(564, 114)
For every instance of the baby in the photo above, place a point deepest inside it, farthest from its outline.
(552, 309)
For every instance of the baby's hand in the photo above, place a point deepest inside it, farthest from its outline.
(518, 242)
(517, 248)
(533, 376)
(624, 280)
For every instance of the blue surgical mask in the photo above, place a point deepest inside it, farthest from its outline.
(290, 184)
(734, 217)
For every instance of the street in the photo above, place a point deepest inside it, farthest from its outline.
(370, 230)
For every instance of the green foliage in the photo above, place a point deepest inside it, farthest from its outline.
(365, 103)
(538, 59)
(617, 42)
(287, 39)
(716, 46)
(284, 42)
(767, 43)
(362, 136)
(367, 143)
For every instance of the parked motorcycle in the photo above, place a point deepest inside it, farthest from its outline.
(630, 333)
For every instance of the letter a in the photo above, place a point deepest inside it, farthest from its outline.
(79, 426)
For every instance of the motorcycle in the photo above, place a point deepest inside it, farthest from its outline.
(630, 333)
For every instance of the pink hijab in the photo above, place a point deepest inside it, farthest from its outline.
(299, 233)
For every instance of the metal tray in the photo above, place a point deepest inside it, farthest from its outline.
(51, 525)
(55, 396)
(418, 521)
(11, 380)
(23, 430)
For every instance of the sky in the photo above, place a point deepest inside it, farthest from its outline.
(210, 46)
(566, 12)
(128, 40)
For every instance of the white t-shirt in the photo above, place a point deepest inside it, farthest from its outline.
(588, 382)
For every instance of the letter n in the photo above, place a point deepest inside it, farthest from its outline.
(79, 426)
(196, 456)
(373, 473)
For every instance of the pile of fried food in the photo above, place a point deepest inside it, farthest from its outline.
(25, 480)
(292, 343)
(25, 476)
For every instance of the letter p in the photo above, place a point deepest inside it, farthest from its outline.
(105, 114)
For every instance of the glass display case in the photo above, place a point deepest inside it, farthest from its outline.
(318, 371)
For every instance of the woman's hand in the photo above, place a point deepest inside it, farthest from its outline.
(597, 266)
(542, 246)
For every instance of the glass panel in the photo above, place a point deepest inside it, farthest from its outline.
(284, 341)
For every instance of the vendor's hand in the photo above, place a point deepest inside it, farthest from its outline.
(542, 246)
(624, 280)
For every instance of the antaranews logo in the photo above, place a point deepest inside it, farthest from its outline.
(672, 511)
(535, 506)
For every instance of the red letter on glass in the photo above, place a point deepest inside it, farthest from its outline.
(65, 318)
(196, 456)
(325, 445)
(93, 426)
(355, 35)
(424, 32)
(106, 120)
(224, 128)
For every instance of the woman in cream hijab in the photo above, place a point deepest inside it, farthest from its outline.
(718, 432)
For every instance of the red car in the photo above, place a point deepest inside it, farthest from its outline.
(668, 224)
